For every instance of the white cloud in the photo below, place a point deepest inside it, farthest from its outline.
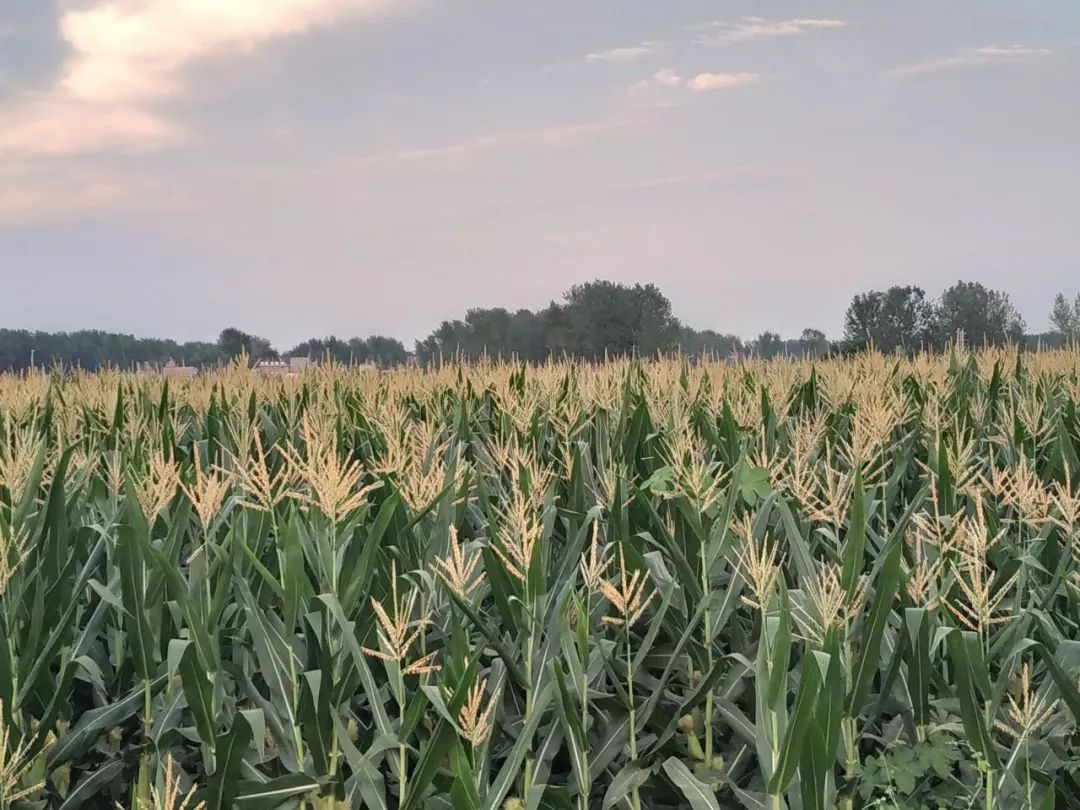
(127, 54)
(975, 57)
(627, 53)
(756, 27)
(704, 82)
(666, 88)
(663, 89)
(667, 77)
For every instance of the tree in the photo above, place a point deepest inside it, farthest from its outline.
(982, 315)
(897, 319)
(767, 345)
(607, 318)
(813, 343)
(93, 349)
(597, 319)
(487, 332)
(558, 331)
(448, 342)
(378, 349)
(1065, 319)
(526, 336)
(385, 351)
(862, 320)
(233, 342)
(708, 343)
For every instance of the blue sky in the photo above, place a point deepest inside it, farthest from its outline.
(306, 167)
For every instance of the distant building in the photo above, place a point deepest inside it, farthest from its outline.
(298, 364)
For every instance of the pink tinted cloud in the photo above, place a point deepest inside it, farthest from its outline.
(704, 82)
(128, 54)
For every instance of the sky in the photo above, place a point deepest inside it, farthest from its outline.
(300, 168)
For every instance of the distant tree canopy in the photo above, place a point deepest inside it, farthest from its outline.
(605, 318)
(377, 349)
(708, 343)
(898, 318)
(594, 320)
(1065, 318)
(901, 319)
(981, 315)
(768, 345)
(232, 343)
(813, 343)
(92, 349)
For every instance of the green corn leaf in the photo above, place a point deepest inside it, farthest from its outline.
(132, 591)
(573, 730)
(91, 785)
(94, 723)
(198, 688)
(463, 791)
(780, 649)
(917, 624)
(223, 785)
(502, 783)
(855, 540)
(632, 775)
(971, 712)
(700, 796)
(815, 667)
(271, 794)
(885, 587)
(316, 724)
(366, 782)
(434, 754)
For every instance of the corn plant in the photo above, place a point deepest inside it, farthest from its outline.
(640, 584)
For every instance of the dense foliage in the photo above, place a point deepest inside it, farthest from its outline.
(594, 321)
(761, 585)
(21, 349)
(92, 350)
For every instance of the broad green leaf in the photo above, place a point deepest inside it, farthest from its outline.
(700, 796)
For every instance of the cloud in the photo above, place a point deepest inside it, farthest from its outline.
(54, 125)
(132, 50)
(975, 57)
(666, 88)
(663, 89)
(667, 77)
(627, 53)
(126, 55)
(34, 192)
(757, 27)
(704, 82)
(464, 152)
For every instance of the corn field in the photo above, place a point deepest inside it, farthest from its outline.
(790, 584)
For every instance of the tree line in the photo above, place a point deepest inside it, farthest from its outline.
(593, 320)
(602, 318)
(93, 349)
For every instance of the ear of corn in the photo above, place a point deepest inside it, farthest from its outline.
(636, 584)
